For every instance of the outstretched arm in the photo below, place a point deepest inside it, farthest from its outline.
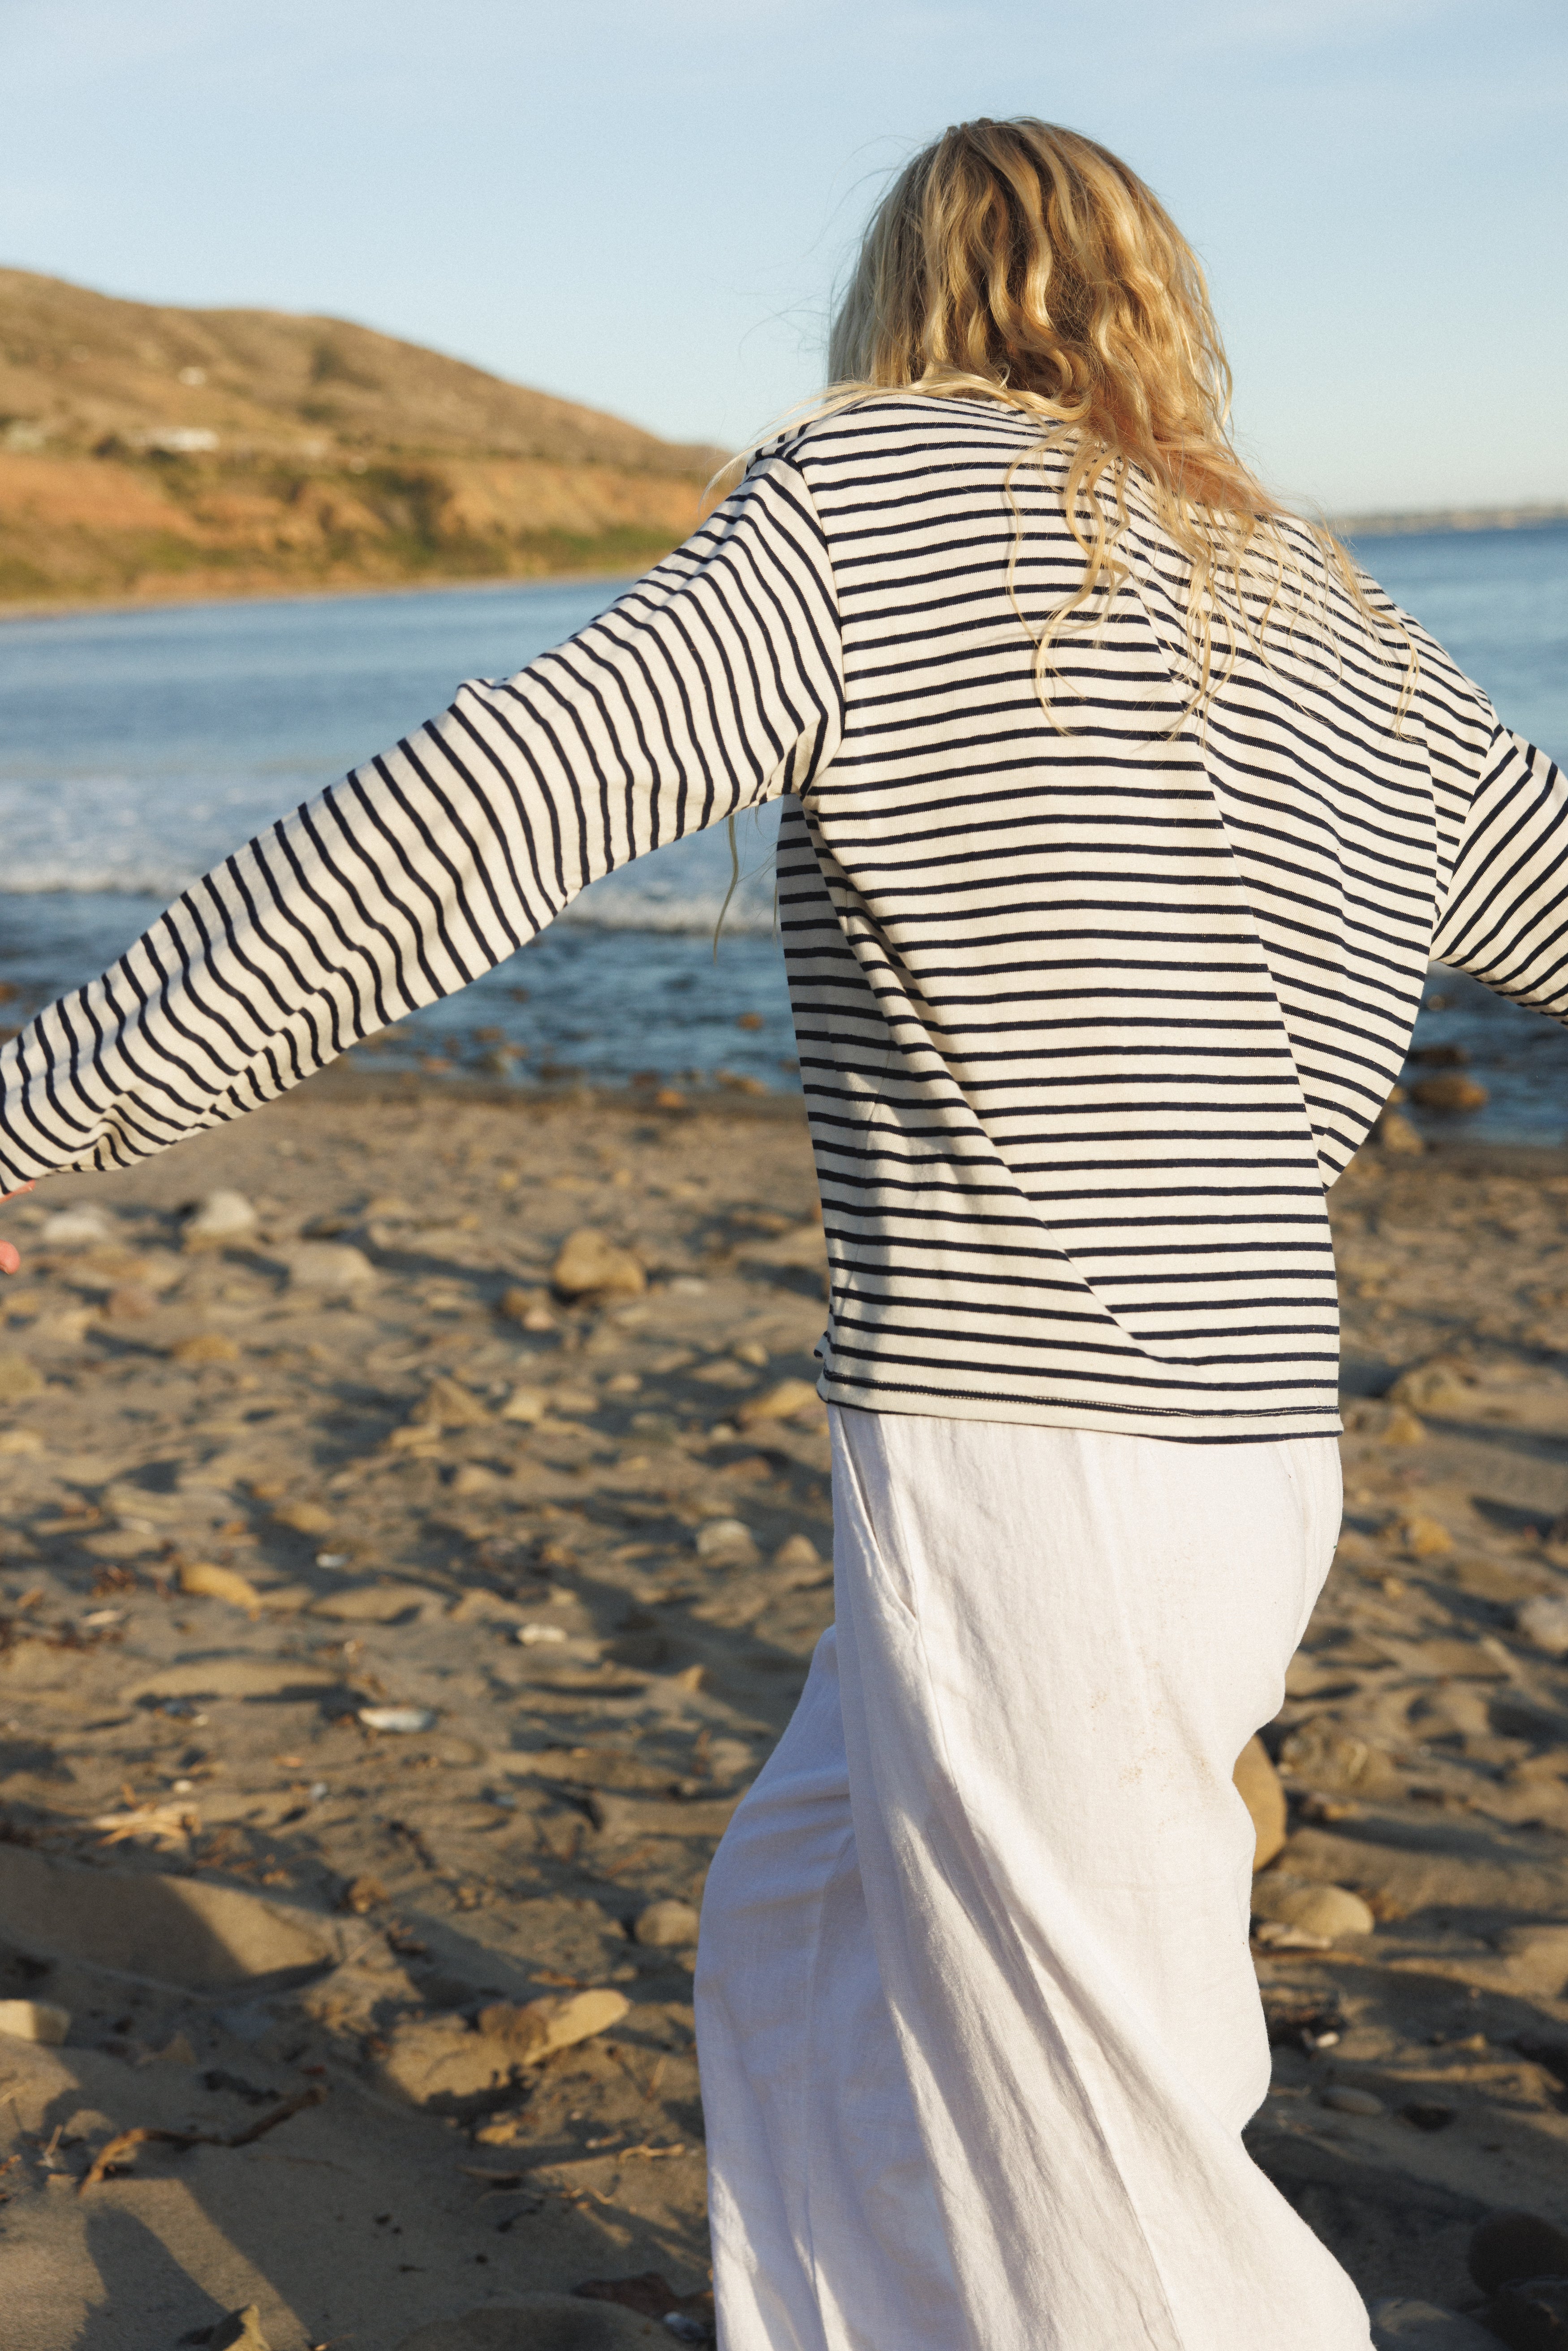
(1505, 916)
(716, 684)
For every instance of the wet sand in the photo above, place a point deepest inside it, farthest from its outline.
(582, 1548)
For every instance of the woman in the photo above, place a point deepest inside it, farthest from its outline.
(1120, 818)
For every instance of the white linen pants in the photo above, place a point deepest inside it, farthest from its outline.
(977, 2025)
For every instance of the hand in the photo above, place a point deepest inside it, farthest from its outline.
(10, 1257)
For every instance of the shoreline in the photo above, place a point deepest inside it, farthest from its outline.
(73, 608)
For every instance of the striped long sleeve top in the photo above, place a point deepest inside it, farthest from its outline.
(1092, 1005)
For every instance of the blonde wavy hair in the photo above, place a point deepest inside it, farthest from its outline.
(1019, 262)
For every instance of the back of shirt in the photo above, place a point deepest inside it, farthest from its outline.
(1093, 1000)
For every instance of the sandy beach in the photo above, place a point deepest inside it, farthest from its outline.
(395, 1608)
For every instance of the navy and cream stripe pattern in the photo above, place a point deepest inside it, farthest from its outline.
(1092, 1006)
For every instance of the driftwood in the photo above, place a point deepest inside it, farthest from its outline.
(115, 2150)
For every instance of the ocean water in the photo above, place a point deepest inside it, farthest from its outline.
(137, 748)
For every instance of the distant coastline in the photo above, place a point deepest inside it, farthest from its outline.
(1416, 525)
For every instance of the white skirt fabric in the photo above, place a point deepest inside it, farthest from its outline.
(977, 2025)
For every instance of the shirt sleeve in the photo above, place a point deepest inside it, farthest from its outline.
(1505, 917)
(714, 685)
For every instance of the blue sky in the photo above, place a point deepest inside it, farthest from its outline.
(643, 203)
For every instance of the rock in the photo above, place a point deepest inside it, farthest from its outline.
(1401, 2325)
(175, 1930)
(1544, 1621)
(1510, 2244)
(130, 1303)
(1531, 2314)
(529, 1308)
(331, 1268)
(590, 1266)
(447, 1404)
(1329, 1910)
(373, 1603)
(544, 2322)
(723, 1538)
(1257, 1785)
(438, 2059)
(1537, 1958)
(666, 1925)
(20, 1440)
(800, 1564)
(781, 1402)
(206, 1347)
(1437, 1387)
(218, 1219)
(1424, 1537)
(304, 1518)
(1451, 1091)
(204, 1580)
(240, 2331)
(1321, 1754)
(1345, 2099)
(528, 1405)
(35, 2020)
(1394, 1133)
(1403, 1427)
(18, 1378)
(402, 1719)
(76, 1227)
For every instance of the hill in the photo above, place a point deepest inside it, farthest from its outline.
(152, 452)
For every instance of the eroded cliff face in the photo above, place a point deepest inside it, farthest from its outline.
(148, 452)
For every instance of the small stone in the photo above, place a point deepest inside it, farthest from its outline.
(1329, 1910)
(1404, 2326)
(1402, 1427)
(1437, 1387)
(83, 1228)
(206, 1347)
(1427, 2113)
(447, 1404)
(18, 1378)
(130, 1303)
(1510, 2244)
(590, 1266)
(176, 2050)
(721, 1537)
(331, 1268)
(1346, 2100)
(1424, 1537)
(666, 1925)
(20, 1440)
(539, 2027)
(781, 1402)
(1394, 1133)
(35, 2020)
(402, 1719)
(799, 1561)
(1451, 1092)
(526, 1405)
(204, 1580)
(240, 2331)
(221, 1218)
(304, 1518)
(361, 1896)
(1257, 1785)
(1544, 1621)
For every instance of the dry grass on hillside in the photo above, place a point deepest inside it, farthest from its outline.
(152, 452)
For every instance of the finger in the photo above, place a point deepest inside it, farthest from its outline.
(9, 1259)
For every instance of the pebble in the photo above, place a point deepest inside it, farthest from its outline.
(18, 1378)
(666, 1925)
(590, 1265)
(304, 1518)
(1436, 1387)
(1257, 1785)
(1544, 1621)
(1426, 1538)
(1329, 1910)
(718, 1536)
(35, 2020)
(332, 1267)
(780, 1402)
(82, 1227)
(397, 1717)
(206, 1347)
(1403, 2325)
(1451, 1091)
(1345, 2100)
(204, 1580)
(526, 1404)
(240, 2331)
(1394, 1133)
(220, 1216)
